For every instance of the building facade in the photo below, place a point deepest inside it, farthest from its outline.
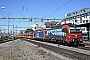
(78, 17)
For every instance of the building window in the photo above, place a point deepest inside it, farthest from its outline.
(66, 18)
(78, 15)
(86, 21)
(74, 13)
(83, 10)
(83, 29)
(69, 14)
(87, 29)
(88, 14)
(80, 19)
(73, 17)
(82, 15)
(75, 20)
(83, 21)
(70, 18)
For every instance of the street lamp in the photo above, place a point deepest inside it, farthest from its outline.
(3, 7)
(2, 10)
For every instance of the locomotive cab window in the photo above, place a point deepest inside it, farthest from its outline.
(64, 30)
(74, 28)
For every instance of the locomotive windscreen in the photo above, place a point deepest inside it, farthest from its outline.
(74, 28)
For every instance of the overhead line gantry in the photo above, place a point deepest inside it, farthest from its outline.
(29, 19)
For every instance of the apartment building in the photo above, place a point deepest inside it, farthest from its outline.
(78, 17)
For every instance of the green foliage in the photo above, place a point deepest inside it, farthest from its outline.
(28, 30)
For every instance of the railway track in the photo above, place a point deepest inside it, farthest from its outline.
(83, 47)
(3, 40)
(67, 53)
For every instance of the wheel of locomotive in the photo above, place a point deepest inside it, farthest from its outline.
(47, 40)
(44, 40)
(76, 43)
(58, 43)
(63, 41)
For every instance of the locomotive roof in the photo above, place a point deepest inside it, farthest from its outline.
(72, 25)
(55, 27)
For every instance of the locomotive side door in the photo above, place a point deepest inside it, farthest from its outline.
(63, 35)
(64, 31)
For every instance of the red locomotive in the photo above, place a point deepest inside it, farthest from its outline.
(67, 34)
(73, 34)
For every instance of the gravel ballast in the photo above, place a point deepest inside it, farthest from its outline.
(22, 50)
(67, 47)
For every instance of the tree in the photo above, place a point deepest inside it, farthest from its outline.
(28, 30)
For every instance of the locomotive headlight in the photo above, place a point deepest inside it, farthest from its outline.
(68, 36)
(80, 39)
(72, 39)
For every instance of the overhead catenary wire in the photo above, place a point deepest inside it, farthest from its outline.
(58, 8)
(24, 9)
(28, 4)
(0, 10)
(47, 4)
(21, 7)
(44, 6)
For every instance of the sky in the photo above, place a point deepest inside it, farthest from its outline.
(37, 9)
